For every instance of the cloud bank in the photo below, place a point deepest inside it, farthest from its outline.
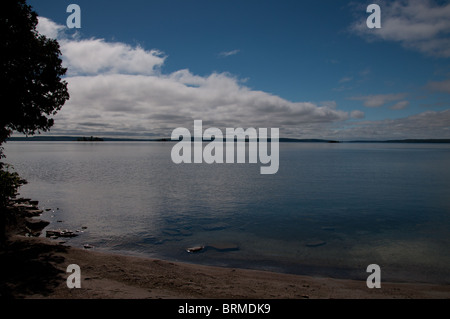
(119, 89)
(430, 124)
(421, 25)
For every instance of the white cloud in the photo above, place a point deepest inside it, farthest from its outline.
(119, 89)
(96, 56)
(400, 105)
(379, 99)
(49, 28)
(229, 53)
(356, 114)
(142, 104)
(421, 25)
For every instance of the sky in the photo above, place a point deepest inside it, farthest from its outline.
(313, 69)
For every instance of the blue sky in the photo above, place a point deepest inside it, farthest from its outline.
(311, 68)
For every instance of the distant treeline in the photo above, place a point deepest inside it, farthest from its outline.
(282, 140)
(442, 140)
(90, 139)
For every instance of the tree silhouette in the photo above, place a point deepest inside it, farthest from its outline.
(31, 88)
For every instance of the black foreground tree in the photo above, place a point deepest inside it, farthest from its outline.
(31, 88)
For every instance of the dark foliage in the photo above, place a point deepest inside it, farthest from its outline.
(31, 88)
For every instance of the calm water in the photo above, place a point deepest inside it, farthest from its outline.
(387, 204)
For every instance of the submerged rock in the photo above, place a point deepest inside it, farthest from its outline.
(223, 247)
(60, 233)
(315, 243)
(176, 232)
(215, 226)
(171, 232)
(195, 249)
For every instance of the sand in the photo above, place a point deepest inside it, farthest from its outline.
(35, 267)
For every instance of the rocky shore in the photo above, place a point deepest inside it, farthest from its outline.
(21, 217)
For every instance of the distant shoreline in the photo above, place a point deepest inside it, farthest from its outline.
(281, 140)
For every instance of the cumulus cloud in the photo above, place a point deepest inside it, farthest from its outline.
(143, 104)
(96, 56)
(421, 25)
(379, 99)
(119, 89)
(49, 28)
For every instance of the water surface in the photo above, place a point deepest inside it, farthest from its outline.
(331, 210)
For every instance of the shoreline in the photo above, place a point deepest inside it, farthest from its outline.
(36, 269)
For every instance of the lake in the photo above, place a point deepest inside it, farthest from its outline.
(330, 210)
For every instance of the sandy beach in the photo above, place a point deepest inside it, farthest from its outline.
(36, 268)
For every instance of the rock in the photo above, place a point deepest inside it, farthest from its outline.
(87, 246)
(23, 200)
(52, 233)
(171, 232)
(223, 247)
(24, 206)
(36, 224)
(60, 233)
(195, 249)
(34, 202)
(315, 243)
(215, 226)
(67, 233)
(33, 212)
(176, 232)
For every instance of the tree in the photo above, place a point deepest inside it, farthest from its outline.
(31, 88)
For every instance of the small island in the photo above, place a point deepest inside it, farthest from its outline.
(89, 139)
